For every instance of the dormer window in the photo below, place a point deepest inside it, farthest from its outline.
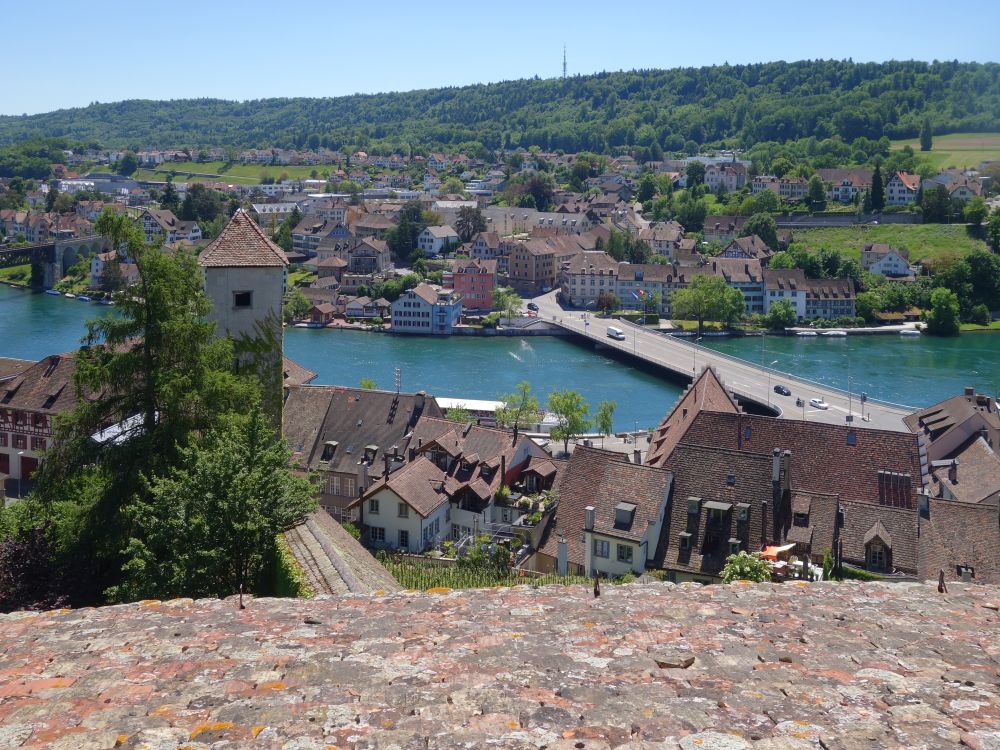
(800, 519)
(694, 505)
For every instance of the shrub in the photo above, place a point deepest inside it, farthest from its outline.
(351, 529)
(980, 315)
(746, 567)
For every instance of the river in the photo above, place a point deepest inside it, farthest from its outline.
(909, 370)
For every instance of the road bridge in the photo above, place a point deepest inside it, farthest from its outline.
(748, 382)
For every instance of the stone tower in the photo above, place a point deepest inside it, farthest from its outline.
(245, 277)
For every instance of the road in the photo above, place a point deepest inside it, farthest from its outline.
(745, 379)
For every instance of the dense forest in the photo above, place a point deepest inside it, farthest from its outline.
(659, 110)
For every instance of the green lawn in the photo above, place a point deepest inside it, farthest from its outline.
(957, 149)
(994, 326)
(16, 274)
(300, 278)
(926, 242)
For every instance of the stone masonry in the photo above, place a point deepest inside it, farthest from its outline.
(767, 667)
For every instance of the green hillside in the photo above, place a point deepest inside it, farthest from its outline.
(962, 150)
(925, 242)
(660, 110)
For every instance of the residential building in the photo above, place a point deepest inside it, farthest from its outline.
(882, 259)
(272, 215)
(902, 189)
(435, 240)
(163, 222)
(789, 285)
(609, 517)
(29, 403)
(846, 185)
(949, 425)
(532, 267)
(312, 230)
(744, 274)
(729, 175)
(723, 229)
(474, 281)
(663, 237)
(788, 188)
(426, 309)
(748, 247)
(586, 276)
(830, 298)
(372, 225)
(346, 436)
(486, 246)
(447, 489)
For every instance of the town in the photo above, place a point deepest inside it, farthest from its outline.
(491, 415)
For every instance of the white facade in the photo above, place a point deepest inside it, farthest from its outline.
(243, 296)
(435, 239)
(797, 298)
(890, 264)
(426, 310)
(392, 524)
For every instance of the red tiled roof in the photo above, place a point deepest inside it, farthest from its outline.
(242, 243)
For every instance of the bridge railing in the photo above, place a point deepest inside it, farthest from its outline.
(747, 363)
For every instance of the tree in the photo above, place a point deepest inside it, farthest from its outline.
(816, 193)
(926, 135)
(943, 319)
(647, 188)
(708, 298)
(604, 419)
(877, 195)
(936, 204)
(127, 164)
(459, 414)
(368, 384)
(111, 278)
(695, 174)
(980, 314)
(572, 413)
(781, 315)
(993, 230)
(208, 523)
(976, 210)
(519, 409)
(296, 306)
(50, 197)
(452, 185)
(744, 566)
(29, 576)
(608, 301)
(169, 200)
(507, 302)
(764, 226)
(470, 222)
(866, 305)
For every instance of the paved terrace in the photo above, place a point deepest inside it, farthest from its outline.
(746, 380)
(762, 667)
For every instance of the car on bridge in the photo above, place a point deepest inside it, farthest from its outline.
(532, 306)
(782, 390)
(818, 403)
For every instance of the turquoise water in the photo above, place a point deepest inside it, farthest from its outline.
(913, 371)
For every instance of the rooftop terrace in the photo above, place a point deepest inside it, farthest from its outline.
(767, 667)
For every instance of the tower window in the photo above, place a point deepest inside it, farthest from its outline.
(242, 299)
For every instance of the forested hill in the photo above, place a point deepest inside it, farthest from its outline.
(658, 109)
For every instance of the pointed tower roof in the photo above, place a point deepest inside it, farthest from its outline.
(707, 393)
(242, 244)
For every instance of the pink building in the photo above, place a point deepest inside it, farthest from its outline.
(474, 281)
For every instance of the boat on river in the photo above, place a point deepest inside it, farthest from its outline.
(85, 298)
(54, 292)
(806, 333)
(70, 295)
(909, 332)
(835, 333)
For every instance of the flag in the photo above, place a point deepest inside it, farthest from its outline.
(642, 293)
(636, 295)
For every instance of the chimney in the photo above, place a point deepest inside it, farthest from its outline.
(969, 392)
(775, 465)
(503, 469)
(362, 477)
(562, 557)
(385, 463)
(953, 472)
(637, 456)
(786, 468)
(589, 514)
(412, 453)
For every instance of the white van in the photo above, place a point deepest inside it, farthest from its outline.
(616, 333)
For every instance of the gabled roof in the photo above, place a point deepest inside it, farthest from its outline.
(46, 386)
(242, 244)
(603, 479)
(707, 392)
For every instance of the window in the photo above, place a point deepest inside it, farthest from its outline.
(376, 533)
(800, 519)
(601, 548)
(404, 510)
(242, 300)
(685, 540)
(349, 487)
(876, 555)
(625, 553)
(373, 506)
(37, 444)
(3, 439)
(404, 538)
(20, 441)
(693, 506)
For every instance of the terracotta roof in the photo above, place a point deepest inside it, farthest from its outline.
(900, 524)
(333, 561)
(955, 534)
(824, 457)
(10, 368)
(977, 475)
(294, 373)
(753, 246)
(603, 479)
(725, 477)
(910, 181)
(45, 387)
(242, 243)
(707, 392)
(420, 484)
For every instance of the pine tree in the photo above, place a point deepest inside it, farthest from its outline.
(878, 190)
(926, 139)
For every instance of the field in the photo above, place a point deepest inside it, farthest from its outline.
(16, 274)
(217, 171)
(957, 149)
(926, 242)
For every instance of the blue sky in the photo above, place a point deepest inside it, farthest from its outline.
(73, 53)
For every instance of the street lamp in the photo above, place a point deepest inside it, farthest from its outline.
(772, 364)
(694, 361)
(20, 475)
